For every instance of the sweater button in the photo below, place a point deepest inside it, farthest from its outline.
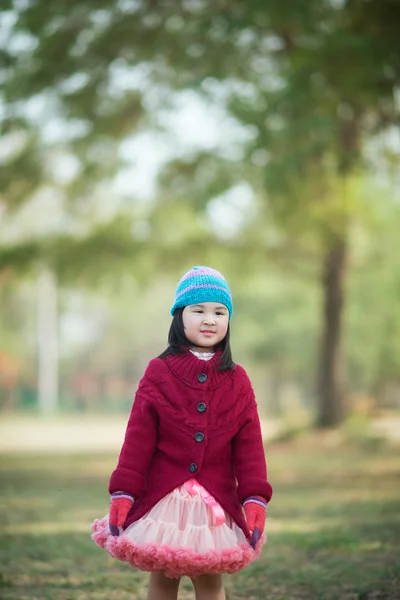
(193, 468)
(202, 377)
(199, 437)
(201, 407)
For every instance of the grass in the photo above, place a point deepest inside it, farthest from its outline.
(333, 528)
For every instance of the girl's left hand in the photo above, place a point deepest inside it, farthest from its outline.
(255, 509)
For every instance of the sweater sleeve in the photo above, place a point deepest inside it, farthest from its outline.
(249, 458)
(139, 443)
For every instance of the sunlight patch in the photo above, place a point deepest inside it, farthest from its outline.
(45, 528)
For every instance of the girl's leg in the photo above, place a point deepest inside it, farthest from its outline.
(162, 587)
(209, 587)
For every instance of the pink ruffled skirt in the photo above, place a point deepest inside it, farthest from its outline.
(186, 533)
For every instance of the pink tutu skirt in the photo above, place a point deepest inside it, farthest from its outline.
(186, 533)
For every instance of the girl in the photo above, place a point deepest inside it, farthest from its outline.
(190, 491)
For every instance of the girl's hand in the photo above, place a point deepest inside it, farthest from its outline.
(255, 509)
(121, 504)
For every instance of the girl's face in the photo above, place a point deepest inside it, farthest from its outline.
(205, 324)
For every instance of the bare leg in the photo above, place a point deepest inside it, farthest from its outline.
(162, 587)
(209, 587)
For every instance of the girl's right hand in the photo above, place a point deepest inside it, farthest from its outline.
(120, 506)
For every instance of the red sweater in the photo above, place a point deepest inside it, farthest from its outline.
(190, 420)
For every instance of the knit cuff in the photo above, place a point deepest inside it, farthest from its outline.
(121, 495)
(256, 500)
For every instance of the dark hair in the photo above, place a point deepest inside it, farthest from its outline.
(177, 342)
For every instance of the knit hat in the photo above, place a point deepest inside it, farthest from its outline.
(202, 284)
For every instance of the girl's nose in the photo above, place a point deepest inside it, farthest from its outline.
(208, 319)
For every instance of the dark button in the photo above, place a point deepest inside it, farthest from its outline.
(199, 437)
(201, 407)
(193, 468)
(202, 377)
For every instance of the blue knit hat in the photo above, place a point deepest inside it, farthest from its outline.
(202, 284)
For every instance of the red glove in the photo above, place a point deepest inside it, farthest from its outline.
(121, 504)
(255, 509)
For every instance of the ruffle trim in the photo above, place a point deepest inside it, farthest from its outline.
(174, 562)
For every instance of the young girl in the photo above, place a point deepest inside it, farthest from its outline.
(190, 491)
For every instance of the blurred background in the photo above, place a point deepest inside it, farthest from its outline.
(141, 138)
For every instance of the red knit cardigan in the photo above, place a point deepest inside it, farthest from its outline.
(178, 397)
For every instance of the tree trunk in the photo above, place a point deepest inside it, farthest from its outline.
(330, 379)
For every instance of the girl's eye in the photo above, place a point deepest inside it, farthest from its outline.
(220, 314)
(198, 311)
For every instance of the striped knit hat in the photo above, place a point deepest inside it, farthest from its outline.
(202, 284)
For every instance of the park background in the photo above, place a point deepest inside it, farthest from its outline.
(142, 138)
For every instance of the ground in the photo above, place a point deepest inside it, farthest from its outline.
(333, 526)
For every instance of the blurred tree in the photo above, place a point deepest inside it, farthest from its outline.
(311, 81)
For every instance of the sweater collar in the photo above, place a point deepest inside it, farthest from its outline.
(187, 367)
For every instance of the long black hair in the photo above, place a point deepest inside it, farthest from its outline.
(177, 342)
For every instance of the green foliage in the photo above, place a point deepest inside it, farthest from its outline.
(282, 71)
(372, 318)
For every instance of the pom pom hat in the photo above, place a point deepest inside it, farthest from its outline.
(202, 284)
